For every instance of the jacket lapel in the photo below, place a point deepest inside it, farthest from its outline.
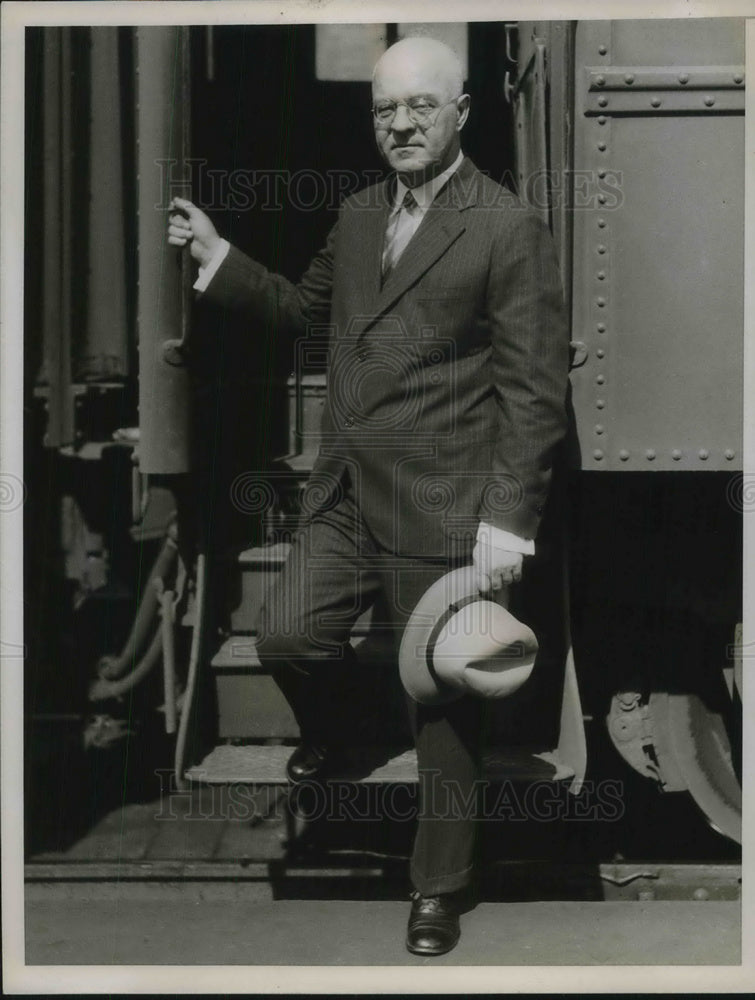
(442, 225)
(372, 226)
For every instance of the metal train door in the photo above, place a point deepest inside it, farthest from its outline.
(639, 129)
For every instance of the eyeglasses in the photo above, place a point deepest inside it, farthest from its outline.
(419, 110)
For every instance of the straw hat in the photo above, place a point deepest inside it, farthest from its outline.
(457, 642)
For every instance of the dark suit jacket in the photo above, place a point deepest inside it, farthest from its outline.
(447, 385)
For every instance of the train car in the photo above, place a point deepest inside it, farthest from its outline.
(168, 447)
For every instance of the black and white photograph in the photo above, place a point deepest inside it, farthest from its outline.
(374, 480)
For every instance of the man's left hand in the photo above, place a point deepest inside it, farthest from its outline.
(495, 567)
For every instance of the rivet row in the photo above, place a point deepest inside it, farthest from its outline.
(651, 454)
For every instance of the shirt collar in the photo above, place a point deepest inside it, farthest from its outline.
(424, 194)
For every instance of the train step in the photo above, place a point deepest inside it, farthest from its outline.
(266, 765)
(264, 556)
(249, 703)
(239, 651)
(257, 567)
(251, 707)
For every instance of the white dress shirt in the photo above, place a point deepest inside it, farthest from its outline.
(424, 195)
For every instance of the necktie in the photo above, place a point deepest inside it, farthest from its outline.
(400, 230)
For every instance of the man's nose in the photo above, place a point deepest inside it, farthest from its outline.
(401, 120)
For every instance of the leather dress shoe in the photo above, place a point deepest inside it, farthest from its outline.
(433, 924)
(308, 762)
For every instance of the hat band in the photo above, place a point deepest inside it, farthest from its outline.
(441, 623)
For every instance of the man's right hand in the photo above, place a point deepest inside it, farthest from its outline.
(189, 224)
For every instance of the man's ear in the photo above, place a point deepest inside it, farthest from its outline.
(463, 111)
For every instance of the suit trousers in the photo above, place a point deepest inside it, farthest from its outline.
(335, 570)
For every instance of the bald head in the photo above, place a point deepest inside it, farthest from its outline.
(420, 64)
(417, 85)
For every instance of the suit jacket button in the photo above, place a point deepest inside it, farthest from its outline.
(362, 355)
(349, 421)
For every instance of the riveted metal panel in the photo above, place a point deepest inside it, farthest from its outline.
(665, 101)
(658, 246)
(674, 42)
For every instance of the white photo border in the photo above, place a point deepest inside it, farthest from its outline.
(19, 978)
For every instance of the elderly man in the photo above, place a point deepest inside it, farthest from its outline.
(446, 399)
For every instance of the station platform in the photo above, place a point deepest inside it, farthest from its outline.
(182, 928)
(188, 880)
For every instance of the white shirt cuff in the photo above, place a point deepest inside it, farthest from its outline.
(488, 534)
(207, 273)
